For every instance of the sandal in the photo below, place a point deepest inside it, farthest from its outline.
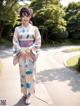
(27, 101)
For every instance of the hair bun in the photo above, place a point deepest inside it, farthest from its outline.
(31, 11)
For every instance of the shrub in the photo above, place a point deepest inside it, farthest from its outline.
(78, 65)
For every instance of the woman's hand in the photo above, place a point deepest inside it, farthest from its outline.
(25, 54)
(28, 52)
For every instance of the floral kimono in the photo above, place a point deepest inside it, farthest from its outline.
(27, 38)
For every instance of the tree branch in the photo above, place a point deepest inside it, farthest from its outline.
(12, 5)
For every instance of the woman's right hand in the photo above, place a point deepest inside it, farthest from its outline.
(23, 53)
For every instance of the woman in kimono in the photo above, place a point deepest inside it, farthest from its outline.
(26, 45)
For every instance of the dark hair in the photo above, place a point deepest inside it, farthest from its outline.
(24, 11)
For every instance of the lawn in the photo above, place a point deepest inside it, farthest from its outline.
(72, 50)
(72, 62)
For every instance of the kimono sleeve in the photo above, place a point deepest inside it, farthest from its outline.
(37, 44)
(16, 46)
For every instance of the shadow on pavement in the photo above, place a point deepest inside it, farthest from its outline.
(20, 102)
(61, 74)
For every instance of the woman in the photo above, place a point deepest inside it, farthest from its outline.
(26, 45)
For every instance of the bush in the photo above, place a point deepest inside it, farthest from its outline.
(6, 30)
(59, 32)
(5, 42)
(78, 65)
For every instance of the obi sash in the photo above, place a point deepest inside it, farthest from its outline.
(26, 43)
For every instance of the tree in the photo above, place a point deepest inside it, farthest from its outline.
(73, 20)
(8, 13)
(39, 4)
(49, 15)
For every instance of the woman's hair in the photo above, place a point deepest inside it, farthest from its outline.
(25, 10)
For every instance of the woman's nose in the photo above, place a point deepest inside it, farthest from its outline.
(25, 17)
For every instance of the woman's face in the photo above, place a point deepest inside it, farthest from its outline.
(25, 19)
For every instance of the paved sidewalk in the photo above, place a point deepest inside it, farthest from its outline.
(10, 87)
(51, 74)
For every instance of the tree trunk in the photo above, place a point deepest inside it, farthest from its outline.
(46, 33)
(1, 28)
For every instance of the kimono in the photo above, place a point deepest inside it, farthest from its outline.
(27, 39)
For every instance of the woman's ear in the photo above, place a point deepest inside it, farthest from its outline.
(30, 17)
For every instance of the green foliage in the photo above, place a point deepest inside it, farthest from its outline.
(7, 31)
(39, 4)
(60, 32)
(5, 42)
(8, 11)
(78, 65)
(8, 14)
(73, 19)
(51, 17)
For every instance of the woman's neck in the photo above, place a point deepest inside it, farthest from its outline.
(25, 25)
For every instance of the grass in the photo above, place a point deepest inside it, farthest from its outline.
(72, 50)
(73, 62)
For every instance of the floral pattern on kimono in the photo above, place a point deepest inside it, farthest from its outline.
(27, 38)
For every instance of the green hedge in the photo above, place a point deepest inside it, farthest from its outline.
(78, 65)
